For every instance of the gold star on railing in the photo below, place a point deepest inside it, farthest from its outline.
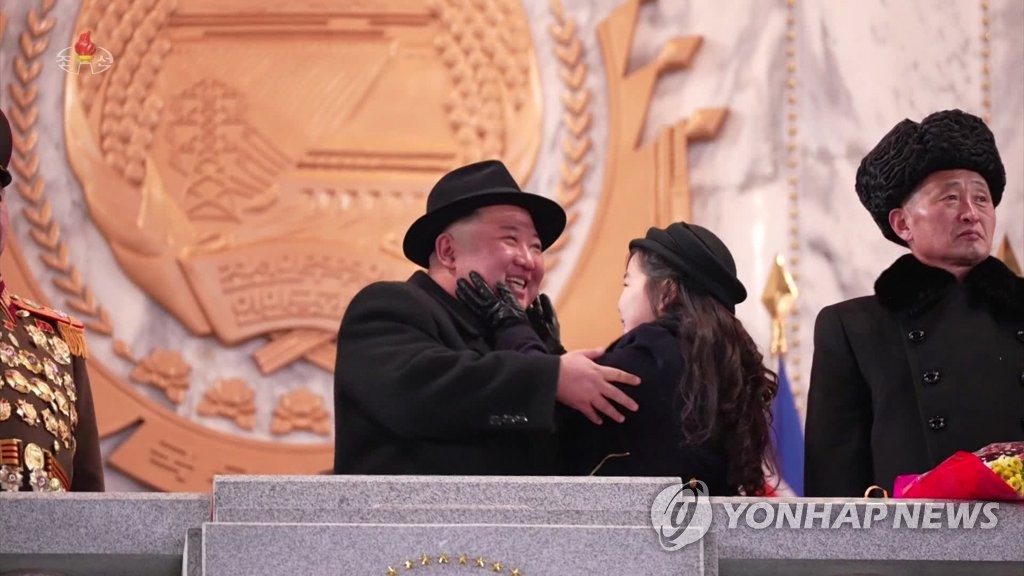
(424, 559)
(779, 294)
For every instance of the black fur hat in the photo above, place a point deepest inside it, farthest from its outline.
(947, 140)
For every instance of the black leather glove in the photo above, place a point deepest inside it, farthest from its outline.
(497, 308)
(542, 317)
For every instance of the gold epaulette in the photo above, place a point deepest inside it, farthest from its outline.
(71, 329)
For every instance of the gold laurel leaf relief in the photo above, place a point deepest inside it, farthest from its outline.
(191, 161)
(251, 168)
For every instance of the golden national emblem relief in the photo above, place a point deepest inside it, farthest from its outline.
(244, 167)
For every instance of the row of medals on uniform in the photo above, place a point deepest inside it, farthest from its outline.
(57, 390)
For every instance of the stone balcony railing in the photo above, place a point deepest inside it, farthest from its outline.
(380, 526)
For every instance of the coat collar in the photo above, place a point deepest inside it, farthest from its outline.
(667, 324)
(467, 321)
(910, 286)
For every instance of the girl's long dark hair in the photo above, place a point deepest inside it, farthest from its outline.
(726, 391)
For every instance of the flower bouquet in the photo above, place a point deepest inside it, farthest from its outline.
(996, 472)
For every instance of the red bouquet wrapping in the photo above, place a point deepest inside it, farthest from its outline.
(992, 473)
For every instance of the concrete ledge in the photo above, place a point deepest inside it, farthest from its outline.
(760, 536)
(248, 549)
(866, 568)
(435, 499)
(839, 529)
(192, 560)
(340, 525)
(98, 534)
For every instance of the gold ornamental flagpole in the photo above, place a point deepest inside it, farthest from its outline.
(779, 294)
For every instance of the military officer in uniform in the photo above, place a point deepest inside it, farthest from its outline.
(48, 437)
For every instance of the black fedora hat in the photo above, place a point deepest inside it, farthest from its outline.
(701, 259)
(6, 147)
(463, 190)
(904, 157)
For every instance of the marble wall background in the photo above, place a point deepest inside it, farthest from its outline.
(859, 67)
(864, 66)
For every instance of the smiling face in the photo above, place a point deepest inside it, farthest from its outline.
(501, 244)
(948, 221)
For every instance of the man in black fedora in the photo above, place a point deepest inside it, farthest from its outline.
(933, 362)
(419, 387)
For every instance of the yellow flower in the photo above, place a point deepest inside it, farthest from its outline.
(1017, 484)
(1016, 464)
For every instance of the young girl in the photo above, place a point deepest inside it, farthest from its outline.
(705, 395)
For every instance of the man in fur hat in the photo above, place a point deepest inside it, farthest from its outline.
(48, 437)
(419, 386)
(933, 362)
